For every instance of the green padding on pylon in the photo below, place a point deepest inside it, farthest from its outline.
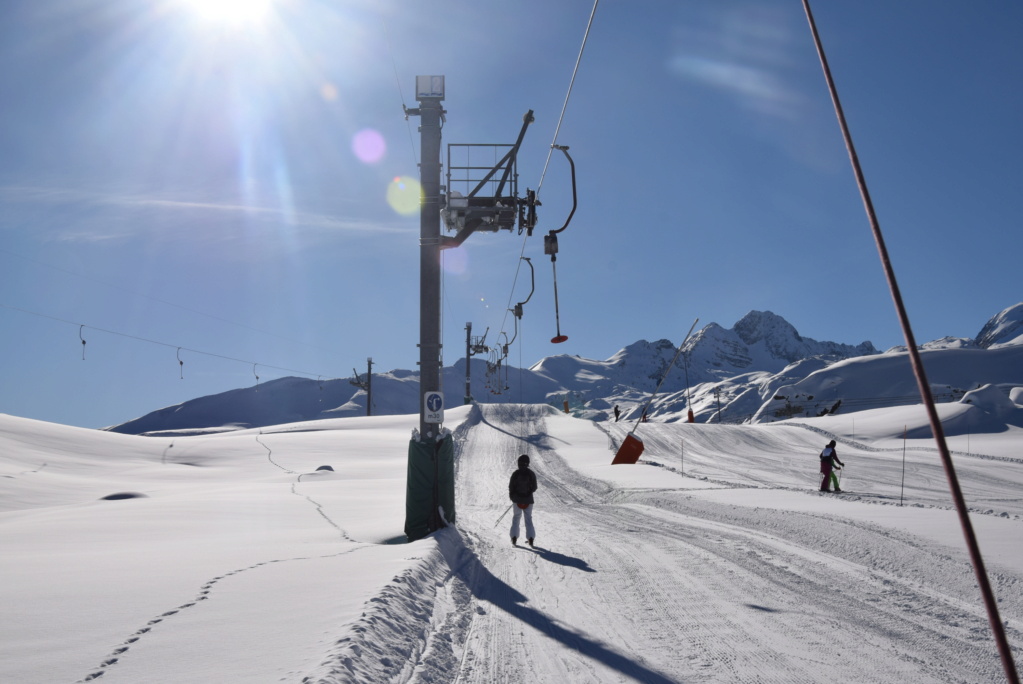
(430, 484)
(446, 454)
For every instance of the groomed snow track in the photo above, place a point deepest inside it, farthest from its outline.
(661, 586)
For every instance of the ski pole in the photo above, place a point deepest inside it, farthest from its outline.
(503, 514)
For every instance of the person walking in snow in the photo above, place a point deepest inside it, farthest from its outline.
(520, 490)
(618, 413)
(829, 457)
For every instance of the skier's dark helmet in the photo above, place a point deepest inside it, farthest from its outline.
(523, 461)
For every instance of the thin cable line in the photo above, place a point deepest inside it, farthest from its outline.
(162, 301)
(564, 107)
(401, 93)
(557, 130)
(162, 344)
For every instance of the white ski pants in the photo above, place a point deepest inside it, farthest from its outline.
(517, 515)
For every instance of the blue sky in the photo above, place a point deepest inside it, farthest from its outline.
(172, 179)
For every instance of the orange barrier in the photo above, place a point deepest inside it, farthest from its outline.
(630, 451)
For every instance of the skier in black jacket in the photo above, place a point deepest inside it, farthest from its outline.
(520, 490)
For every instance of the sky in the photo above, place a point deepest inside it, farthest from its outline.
(205, 187)
(715, 554)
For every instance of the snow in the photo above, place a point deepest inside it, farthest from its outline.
(229, 557)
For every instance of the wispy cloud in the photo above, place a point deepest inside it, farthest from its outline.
(754, 87)
(104, 216)
(744, 53)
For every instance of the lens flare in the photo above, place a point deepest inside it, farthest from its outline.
(404, 194)
(328, 91)
(455, 261)
(369, 146)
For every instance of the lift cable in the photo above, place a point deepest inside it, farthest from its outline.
(568, 94)
(179, 348)
(401, 93)
(990, 602)
(564, 108)
(167, 302)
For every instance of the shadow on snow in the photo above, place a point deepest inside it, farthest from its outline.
(485, 586)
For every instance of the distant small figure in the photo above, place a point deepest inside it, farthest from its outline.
(829, 457)
(618, 413)
(644, 418)
(520, 490)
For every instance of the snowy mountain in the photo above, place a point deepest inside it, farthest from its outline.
(1005, 328)
(760, 370)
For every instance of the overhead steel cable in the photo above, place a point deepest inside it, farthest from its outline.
(979, 571)
(401, 92)
(135, 293)
(178, 347)
(557, 130)
(568, 94)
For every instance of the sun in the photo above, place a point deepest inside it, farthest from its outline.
(231, 12)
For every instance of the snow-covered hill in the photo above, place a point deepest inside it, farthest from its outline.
(237, 557)
(760, 370)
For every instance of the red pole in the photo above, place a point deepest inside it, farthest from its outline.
(921, 377)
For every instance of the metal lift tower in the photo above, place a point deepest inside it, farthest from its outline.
(430, 493)
(431, 455)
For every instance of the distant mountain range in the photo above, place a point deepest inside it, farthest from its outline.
(759, 370)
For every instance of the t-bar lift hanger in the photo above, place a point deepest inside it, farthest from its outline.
(550, 246)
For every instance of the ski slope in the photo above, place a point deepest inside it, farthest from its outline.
(231, 558)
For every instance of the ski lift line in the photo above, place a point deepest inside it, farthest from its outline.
(990, 602)
(161, 301)
(401, 93)
(568, 95)
(663, 377)
(82, 326)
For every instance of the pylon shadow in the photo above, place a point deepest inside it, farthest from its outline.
(485, 586)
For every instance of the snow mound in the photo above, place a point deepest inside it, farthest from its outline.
(992, 401)
(1016, 396)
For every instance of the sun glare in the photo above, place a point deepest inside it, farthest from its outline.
(234, 12)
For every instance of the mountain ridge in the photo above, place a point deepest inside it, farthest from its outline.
(734, 374)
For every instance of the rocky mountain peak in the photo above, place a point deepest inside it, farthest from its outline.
(759, 325)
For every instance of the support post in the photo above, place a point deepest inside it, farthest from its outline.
(468, 354)
(430, 97)
(369, 386)
(430, 484)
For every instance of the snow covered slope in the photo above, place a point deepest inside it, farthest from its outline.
(232, 558)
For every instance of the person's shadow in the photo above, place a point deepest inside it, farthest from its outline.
(466, 565)
(562, 559)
